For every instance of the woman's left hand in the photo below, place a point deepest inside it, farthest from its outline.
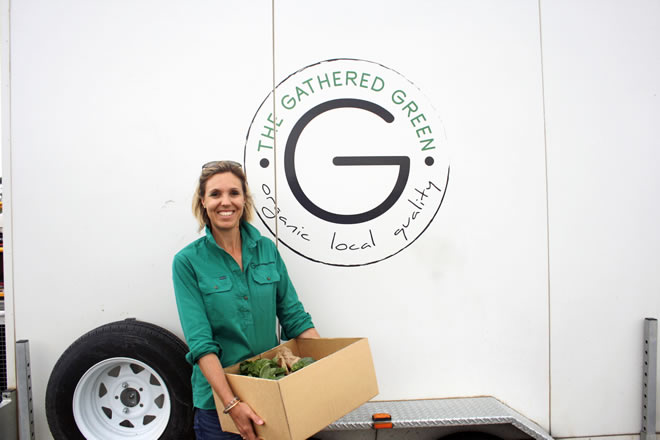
(243, 417)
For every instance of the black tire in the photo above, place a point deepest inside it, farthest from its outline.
(156, 348)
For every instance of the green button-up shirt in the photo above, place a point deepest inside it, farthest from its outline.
(229, 311)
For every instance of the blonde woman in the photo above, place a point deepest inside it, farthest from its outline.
(230, 286)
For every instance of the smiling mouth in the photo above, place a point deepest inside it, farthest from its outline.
(226, 213)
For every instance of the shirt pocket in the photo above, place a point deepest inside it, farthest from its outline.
(219, 299)
(213, 285)
(265, 275)
(264, 287)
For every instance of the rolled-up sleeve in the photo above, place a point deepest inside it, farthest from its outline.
(192, 313)
(290, 311)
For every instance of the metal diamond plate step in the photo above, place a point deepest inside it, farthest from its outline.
(469, 411)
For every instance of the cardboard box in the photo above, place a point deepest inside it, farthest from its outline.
(303, 403)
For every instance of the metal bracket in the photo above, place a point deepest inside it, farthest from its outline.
(24, 389)
(3, 350)
(8, 416)
(649, 378)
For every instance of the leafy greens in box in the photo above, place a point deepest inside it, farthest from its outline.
(283, 363)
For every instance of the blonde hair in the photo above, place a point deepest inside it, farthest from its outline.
(209, 170)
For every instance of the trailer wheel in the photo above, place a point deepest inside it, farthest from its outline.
(126, 379)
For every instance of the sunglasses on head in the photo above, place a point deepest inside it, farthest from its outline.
(215, 163)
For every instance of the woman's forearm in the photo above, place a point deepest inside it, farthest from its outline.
(241, 413)
(215, 375)
(310, 333)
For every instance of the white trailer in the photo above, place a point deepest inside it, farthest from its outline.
(504, 244)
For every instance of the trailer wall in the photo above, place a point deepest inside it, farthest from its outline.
(530, 284)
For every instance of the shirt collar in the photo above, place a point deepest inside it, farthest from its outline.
(249, 235)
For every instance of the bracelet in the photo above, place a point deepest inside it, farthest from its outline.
(235, 401)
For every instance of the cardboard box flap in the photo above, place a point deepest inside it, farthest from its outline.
(320, 348)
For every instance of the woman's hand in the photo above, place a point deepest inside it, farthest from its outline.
(241, 414)
(243, 418)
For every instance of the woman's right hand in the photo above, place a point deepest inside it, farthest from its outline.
(243, 417)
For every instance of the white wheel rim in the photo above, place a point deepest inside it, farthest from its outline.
(121, 398)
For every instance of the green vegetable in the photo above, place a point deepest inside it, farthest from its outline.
(270, 368)
(302, 363)
(263, 368)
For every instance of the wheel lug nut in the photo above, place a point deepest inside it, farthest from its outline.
(125, 410)
(124, 385)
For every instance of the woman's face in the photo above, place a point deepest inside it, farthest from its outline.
(224, 201)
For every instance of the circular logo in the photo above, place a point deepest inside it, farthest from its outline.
(348, 164)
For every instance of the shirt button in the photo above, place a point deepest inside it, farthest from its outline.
(215, 287)
(245, 297)
(268, 278)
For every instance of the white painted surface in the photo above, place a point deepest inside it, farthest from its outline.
(602, 68)
(470, 296)
(116, 106)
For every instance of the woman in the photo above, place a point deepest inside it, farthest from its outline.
(230, 286)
